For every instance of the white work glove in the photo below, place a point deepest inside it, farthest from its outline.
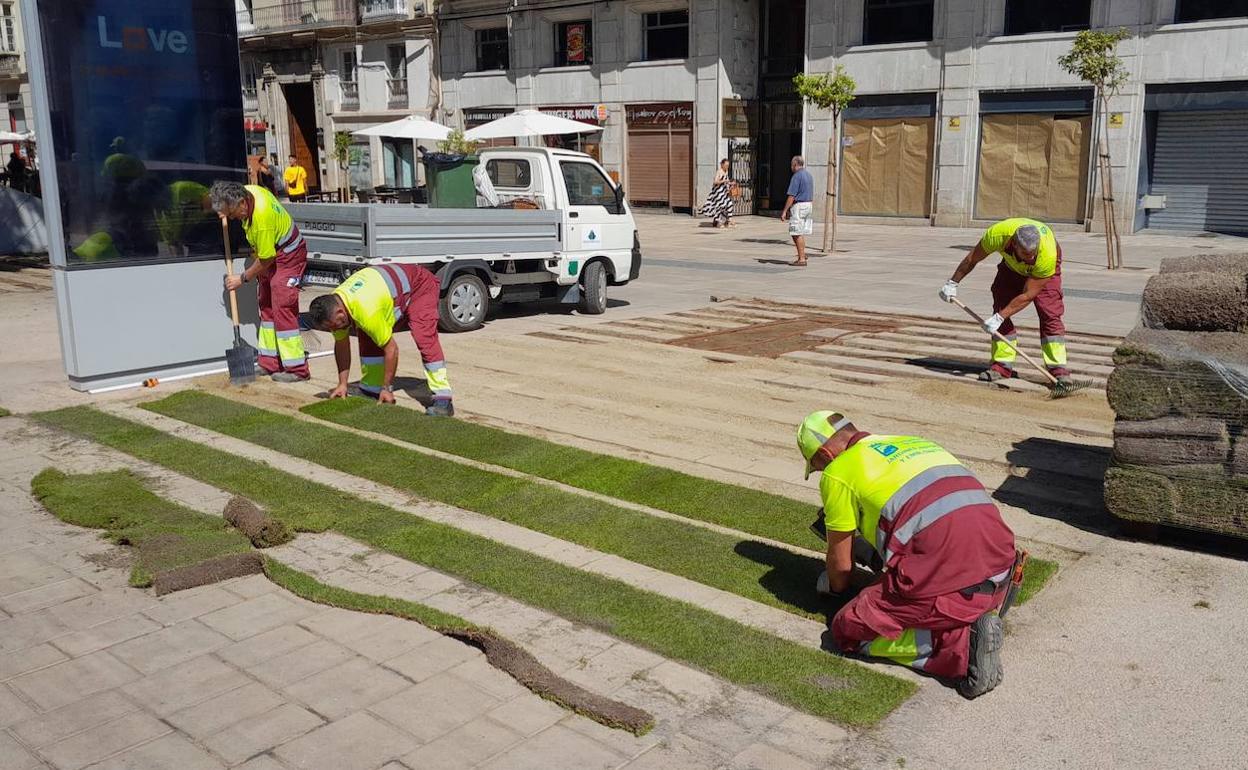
(949, 290)
(994, 323)
(821, 586)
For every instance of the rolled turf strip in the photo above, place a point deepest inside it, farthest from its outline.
(1159, 372)
(1193, 497)
(525, 669)
(1171, 441)
(1213, 301)
(205, 572)
(263, 530)
(1206, 263)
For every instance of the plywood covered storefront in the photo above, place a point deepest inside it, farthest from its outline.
(660, 154)
(886, 166)
(1034, 154)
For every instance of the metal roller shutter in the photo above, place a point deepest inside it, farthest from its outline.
(660, 167)
(1200, 165)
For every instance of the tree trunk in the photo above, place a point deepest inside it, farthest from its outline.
(829, 198)
(1112, 218)
(1102, 178)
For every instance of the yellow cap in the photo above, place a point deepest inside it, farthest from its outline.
(815, 431)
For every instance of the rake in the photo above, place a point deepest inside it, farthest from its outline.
(1057, 388)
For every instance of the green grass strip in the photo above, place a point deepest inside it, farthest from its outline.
(803, 677)
(1035, 577)
(746, 510)
(4, 412)
(764, 573)
(165, 535)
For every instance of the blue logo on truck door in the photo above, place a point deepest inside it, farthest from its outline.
(591, 235)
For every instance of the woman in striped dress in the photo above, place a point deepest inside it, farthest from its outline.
(719, 204)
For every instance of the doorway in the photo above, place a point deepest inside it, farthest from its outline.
(782, 41)
(301, 111)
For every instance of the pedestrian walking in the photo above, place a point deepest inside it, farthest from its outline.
(17, 172)
(264, 174)
(799, 208)
(720, 203)
(296, 179)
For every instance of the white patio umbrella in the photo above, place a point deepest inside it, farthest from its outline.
(409, 127)
(9, 136)
(529, 123)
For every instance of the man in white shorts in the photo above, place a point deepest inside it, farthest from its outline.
(799, 208)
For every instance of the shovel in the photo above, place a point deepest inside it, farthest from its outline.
(240, 359)
(1057, 388)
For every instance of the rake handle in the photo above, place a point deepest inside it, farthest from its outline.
(229, 271)
(1047, 374)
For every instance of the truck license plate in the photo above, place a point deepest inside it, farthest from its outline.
(321, 278)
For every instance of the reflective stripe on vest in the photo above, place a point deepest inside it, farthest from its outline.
(400, 287)
(900, 520)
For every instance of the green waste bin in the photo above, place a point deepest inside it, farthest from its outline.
(448, 179)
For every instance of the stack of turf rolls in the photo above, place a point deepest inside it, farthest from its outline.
(1180, 393)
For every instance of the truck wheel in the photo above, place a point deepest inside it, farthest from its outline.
(464, 305)
(594, 289)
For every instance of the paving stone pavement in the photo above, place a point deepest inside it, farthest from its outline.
(95, 674)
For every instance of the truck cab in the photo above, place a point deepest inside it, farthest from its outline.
(554, 227)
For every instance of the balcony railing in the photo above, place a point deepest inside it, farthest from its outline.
(251, 100)
(377, 10)
(398, 91)
(245, 27)
(297, 15)
(10, 64)
(350, 90)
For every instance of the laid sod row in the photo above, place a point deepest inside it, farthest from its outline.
(755, 570)
(170, 542)
(500, 652)
(746, 510)
(119, 503)
(803, 677)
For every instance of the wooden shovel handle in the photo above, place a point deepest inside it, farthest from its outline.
(1047, 374)
(229, 268)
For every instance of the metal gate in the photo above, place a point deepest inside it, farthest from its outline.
(741, 169)
(1200, 166)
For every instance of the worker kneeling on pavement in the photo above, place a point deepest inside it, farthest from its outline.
(281, 256)
(949, 561)
(377, 301)
(1030, 272)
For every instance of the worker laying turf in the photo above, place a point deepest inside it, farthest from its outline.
(949, 563)
(281, 256)
(1030, 272)
(377, 301)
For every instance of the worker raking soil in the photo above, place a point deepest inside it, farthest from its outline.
(377, 301)
(948, 567)
(1030, 272)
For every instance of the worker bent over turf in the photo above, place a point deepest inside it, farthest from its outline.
(948, 557)
(281, 257)
(377, 301)
(1030, 272)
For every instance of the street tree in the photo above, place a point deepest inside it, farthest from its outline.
(342, 156)
(1094, 59)
(831, 91)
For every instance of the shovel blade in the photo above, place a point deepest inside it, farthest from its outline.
(241, 361)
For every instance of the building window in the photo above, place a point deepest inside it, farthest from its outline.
(493, 49)
(897, 21)
(665, 35)
(346, 79)
(573, 43)
(396, 66)
(1024, 16)
(8, 30)
(1200, 10)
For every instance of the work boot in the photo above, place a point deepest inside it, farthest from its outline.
(287, 377)
(994, 373)
(441, 407)
(984, 670)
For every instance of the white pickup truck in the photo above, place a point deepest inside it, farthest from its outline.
(573, 237)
